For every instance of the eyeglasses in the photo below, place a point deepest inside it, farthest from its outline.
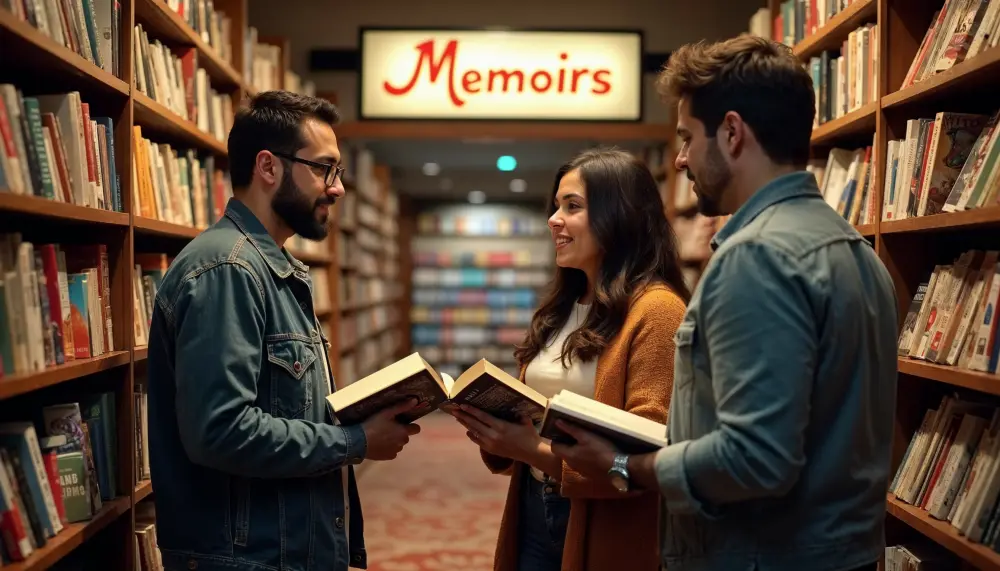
(330, 172)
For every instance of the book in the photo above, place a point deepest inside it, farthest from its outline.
(483, 385)
(631, 433)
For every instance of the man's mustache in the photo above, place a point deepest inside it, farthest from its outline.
(326, 201)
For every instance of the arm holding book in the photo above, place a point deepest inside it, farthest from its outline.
(219, 353)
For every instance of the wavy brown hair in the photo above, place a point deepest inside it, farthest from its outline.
(625, 213)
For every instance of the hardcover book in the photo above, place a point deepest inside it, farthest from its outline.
(483, 385)
(631, 433)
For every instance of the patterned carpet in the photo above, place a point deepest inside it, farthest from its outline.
(435, 507)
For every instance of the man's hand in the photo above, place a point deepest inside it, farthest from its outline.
(591, 455)
(386, 436)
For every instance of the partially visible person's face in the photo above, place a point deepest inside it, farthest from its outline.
(702, 160)
(576, 245)
(303, 199)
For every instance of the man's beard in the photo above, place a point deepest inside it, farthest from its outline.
(711, 182)
(298, 212)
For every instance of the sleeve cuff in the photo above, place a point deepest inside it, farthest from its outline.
(357, 443)
(671, 474)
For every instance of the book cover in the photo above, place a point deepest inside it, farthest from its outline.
(492, 390)
(410, 377)
(631, 433)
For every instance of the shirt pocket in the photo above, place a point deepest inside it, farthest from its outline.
(294, 366)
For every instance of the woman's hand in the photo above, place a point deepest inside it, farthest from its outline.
(515, 440)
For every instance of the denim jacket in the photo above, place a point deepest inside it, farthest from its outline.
(781, 418)
(246, 460)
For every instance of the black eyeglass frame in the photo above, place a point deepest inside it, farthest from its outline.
(338, 170)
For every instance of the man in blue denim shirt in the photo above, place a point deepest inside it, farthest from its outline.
(781, 415)
(250, 469)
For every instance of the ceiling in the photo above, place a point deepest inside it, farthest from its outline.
(467, 165)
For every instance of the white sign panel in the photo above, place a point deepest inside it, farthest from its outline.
(485, 74)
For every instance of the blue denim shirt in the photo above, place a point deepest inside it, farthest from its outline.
(246, 460)
(781, 418)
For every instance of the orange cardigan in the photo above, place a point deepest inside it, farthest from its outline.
(608, 530)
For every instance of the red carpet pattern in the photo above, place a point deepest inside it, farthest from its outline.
(435, 507)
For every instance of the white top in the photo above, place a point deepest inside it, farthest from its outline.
(545, 373)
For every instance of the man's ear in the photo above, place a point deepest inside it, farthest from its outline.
(732, 133)
(268, 167)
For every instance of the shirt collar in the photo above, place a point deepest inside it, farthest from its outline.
(787, 186)
(277, 258)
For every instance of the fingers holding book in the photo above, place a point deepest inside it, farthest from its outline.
(385, 434)
(516, 440)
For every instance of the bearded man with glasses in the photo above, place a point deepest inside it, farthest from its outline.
(250, 468)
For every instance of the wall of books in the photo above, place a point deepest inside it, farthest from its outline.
(369, 289)
(478, 271)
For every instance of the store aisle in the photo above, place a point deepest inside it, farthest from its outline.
(435, 507)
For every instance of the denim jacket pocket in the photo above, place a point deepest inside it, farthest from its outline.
(293, 364)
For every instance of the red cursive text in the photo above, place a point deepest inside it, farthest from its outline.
(562, 80)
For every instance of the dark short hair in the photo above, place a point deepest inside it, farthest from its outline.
(760, 79)
(625, 214)
(272, 120)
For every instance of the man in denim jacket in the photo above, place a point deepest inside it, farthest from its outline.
(249, 468)
(781, 416)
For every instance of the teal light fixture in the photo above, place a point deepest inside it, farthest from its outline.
(506, 163)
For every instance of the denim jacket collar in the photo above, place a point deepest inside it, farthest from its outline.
(278, 259)
(792, 185)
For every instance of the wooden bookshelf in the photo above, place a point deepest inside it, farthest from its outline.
(72, 537)
(125, 234)
(911, 247)
(943, 533)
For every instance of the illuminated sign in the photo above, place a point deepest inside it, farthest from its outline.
(485, 74)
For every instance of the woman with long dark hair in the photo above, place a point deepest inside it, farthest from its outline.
(604, 330)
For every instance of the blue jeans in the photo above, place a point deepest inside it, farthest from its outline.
(544, 515)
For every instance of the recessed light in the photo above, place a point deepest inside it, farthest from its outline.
(431, 169)
(506, 163)
(477, 197)
(518, 185)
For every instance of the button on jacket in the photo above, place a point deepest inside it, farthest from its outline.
(246, 459)
(781, 418)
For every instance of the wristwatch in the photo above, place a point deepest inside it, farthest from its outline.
(619, 472)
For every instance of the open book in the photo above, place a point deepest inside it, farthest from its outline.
(631, 433)
(483, 385)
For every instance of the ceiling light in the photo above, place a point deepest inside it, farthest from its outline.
(518, 185)
(506, 163)
(431, 169)
(477, 196)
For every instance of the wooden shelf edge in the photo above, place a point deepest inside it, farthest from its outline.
(988, 215)
(20, 384)
(142, 490)
(857, 121)
(943, 533)
(980, 64)
(867, 230)
(836, 29)
(38, 206)
(155, 116)
(61, 55)
(155, 227)
(140, 353)
(179, 31)
(71, 537)
(982, 382)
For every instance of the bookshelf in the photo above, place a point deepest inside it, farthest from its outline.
(911, 245)
(122, 208)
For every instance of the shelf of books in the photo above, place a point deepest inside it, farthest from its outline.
(369, 286)
(906, 148)
(478, 274)
(110, 162)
